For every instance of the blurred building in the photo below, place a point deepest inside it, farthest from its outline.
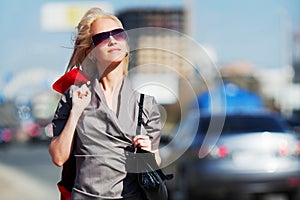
(165, 18)
(157, 53)
(296, 57)
(241, 73)
(171, 19)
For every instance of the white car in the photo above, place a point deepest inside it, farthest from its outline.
(254, 153)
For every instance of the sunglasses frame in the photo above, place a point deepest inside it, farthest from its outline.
(103, 37)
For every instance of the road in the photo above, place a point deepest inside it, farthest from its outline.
(27, 173)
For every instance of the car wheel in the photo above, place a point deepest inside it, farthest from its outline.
(183, 192)
(294, 195)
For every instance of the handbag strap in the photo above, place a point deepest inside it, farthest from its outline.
(140, 120)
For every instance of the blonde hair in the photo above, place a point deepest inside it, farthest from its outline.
(83, 43)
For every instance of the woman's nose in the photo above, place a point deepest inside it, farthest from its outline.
(112, 40)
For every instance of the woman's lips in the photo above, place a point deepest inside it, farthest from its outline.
(114, 49)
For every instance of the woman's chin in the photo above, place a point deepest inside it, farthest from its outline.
(117, 57)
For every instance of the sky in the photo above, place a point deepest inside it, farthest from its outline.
(254, 30)
(257, 31)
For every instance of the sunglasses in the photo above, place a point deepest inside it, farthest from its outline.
(103, 38)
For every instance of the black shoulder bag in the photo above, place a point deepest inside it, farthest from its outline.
(150, 177)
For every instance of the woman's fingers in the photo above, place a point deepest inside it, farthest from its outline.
(142, 141)
(81, 97)
(83, 91)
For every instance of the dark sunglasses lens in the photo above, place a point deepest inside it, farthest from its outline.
(119, 34)
(100, 38)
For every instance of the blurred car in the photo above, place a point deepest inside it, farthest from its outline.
(253, 153)
(6, 135)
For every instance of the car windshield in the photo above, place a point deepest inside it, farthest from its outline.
(243, 124)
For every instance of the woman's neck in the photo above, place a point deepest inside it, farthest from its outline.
(110, 84)
(110, 81)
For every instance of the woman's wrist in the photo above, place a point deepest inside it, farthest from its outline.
(75, 113)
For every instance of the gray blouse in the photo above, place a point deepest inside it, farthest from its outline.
(103, 137)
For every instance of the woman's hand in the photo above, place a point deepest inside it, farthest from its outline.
(81, 98)
(142, 141)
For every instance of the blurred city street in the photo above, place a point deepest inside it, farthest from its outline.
(26, 173)
(196, 58)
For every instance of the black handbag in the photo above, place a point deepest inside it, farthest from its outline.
(150, 177)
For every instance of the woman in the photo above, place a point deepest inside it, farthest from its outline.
(102, 115)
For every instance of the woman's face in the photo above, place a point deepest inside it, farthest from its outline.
(111, 50)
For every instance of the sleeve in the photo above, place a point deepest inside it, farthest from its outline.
(62, 113)
(153, 122)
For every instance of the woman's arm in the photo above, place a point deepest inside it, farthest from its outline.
(157, 157)
(61, 145)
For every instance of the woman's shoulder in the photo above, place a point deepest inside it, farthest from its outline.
(149, 101)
